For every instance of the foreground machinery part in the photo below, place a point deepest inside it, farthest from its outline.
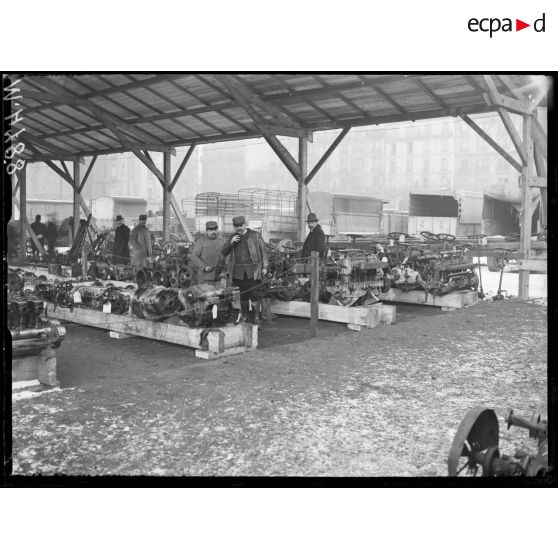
(502, 262)
(143, 276)
(208, 304)
(418, 266)
(155, 302)
(30, 331)
(96, 296)
(185, 277)
(475, 446)
(349, 277)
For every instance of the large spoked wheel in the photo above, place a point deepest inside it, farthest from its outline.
(170, 249)
(479, 431)
(429, 235)
(445, 237)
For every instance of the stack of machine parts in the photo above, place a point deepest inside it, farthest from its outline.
(349, 277)
(437, 266)
(96, 296)
(204, 305)
(31, 332)
(170, 266)
(475, 448)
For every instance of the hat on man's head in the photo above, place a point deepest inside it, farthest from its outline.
(311, 217)
(211, 225)
(240, 220)
(142, 216)
(119, 218)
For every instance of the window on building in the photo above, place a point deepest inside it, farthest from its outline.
(444, 165)
(409, 166)
(425, 181)
(410, 148)
(392, 167)
(393, 149)
(426, 165)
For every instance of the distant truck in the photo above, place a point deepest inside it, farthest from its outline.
(462, 213)
(106, 208)
(274, 212)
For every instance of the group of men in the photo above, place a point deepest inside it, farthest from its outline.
(242, 257)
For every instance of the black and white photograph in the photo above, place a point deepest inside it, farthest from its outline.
(306, 275)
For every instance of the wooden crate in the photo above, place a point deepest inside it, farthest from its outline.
(456, 299)
(222, 341)
(355, 317)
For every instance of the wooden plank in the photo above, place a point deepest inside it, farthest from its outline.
(513, 133)
(285, 131)
(533, 264)
(537, 182)
(364, 316)
(302, 188)
(181, 167)
(208, 355)
(180, 216)
(457, 299)
(233, 335)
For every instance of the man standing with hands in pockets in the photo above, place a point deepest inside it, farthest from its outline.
(247, 265)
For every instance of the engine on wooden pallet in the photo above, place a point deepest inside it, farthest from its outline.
(97, 295)
(59, 293)
(30, 331)
(418, 266)
(169, 266)
(475, 447)
(155, 302)
(208, 304)
(353, 277)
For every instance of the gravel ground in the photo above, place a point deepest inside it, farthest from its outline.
(380, 402)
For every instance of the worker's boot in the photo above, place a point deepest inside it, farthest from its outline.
(267, 314)
(243, 315)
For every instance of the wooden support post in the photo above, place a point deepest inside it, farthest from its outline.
(166, 196)
(302, 188)
(76, 184)
(22, 213)
(314, 293)
(180, 216)
(328, 152)
(525, 234)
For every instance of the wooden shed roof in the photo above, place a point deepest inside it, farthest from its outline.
(68, 116)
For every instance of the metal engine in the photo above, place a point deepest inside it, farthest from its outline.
(208, 304)
(475, 446)
(96, 296)
(418, 266)
(199, 305)
(30, 331)
(170, 266)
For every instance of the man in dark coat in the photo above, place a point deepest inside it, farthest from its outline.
(40, 231)
(315, 241)
(51, 235)
(247, 265)
(121, 248)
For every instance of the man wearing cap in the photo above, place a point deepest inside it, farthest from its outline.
(206, 254)
(120, 248)
(247, 265)
(141, 243)
(40, 231)
(315, 241)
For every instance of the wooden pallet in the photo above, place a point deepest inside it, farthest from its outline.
(356, 318)
(456, 299)
(222, 341)
(40, 368)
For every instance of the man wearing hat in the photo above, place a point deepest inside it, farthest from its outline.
(120, 248)
(315, 241)
(247, 265)
(206, 254)
(141, 243)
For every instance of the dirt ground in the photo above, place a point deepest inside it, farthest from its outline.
(380, 402)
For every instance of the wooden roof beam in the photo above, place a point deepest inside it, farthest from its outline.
(237, 88)
(436, 98)
(493, 96)
(102, 115)
(88, 172)
(181, 167)
(55, 150)
(326, 155)
(515, 164)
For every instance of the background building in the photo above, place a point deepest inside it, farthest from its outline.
(388, 161)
